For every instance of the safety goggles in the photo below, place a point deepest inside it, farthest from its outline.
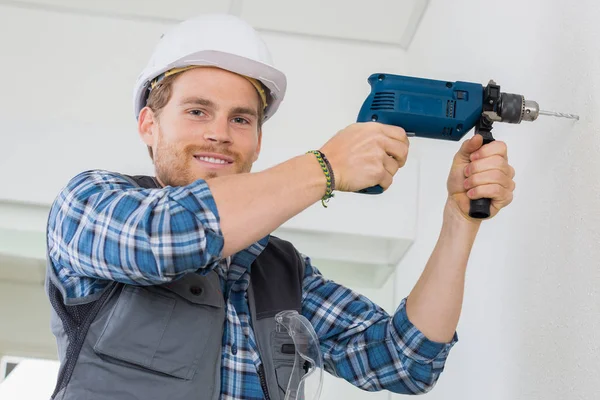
(306, 380)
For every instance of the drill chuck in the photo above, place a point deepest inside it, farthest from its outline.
(532, 110)
(514, 109)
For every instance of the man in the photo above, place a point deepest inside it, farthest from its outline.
(165, 287)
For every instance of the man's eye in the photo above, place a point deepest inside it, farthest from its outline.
(240, 120)
(196, 112)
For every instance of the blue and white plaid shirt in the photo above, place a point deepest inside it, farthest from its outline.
(102, 227)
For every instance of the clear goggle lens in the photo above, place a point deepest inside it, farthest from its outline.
(306, 380)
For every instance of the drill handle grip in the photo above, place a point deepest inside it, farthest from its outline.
(377, 189)
(480, 208)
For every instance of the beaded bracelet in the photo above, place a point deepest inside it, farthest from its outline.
(328, 171)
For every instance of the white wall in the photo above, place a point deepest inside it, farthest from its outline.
(25, 321)
(531, 316)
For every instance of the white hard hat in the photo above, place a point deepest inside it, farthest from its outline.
(218, 40)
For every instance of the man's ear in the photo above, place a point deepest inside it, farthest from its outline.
(146, 122)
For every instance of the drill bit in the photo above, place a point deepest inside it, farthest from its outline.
(558, 114)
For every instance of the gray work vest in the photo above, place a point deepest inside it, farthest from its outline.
(165, 342)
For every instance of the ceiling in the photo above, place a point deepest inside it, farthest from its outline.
(388, 22)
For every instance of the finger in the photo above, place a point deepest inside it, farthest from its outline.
(397, 150)
(393, 132)
(468, 147)
(390, 165)
(497, 193)
(494, 148)
(492, 177)
(485, 164)
(386, 180)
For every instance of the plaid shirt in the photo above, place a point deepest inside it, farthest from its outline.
(102, 227)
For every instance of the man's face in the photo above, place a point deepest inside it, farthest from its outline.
(208, 128)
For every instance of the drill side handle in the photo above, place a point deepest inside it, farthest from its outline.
(480, 208)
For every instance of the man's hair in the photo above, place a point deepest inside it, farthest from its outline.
(161, 94)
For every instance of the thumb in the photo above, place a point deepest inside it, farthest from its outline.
(470, 146)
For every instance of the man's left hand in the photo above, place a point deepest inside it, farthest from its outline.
(480, 171)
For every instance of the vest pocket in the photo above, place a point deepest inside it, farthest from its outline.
(162, 329)
(283, 372)
(284, 355)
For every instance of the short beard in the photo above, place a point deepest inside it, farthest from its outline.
(173, 168)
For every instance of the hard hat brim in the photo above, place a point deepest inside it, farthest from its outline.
(274, 80)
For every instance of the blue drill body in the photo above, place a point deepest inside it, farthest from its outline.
(424, 107)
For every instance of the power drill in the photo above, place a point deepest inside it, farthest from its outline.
(445, 110)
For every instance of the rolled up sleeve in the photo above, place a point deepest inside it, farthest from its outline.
(366, 346)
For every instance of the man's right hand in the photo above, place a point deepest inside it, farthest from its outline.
(366, 154)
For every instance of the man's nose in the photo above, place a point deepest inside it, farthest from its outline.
(218, 131)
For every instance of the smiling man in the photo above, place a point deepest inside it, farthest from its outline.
(202, 95)
(166, 286)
